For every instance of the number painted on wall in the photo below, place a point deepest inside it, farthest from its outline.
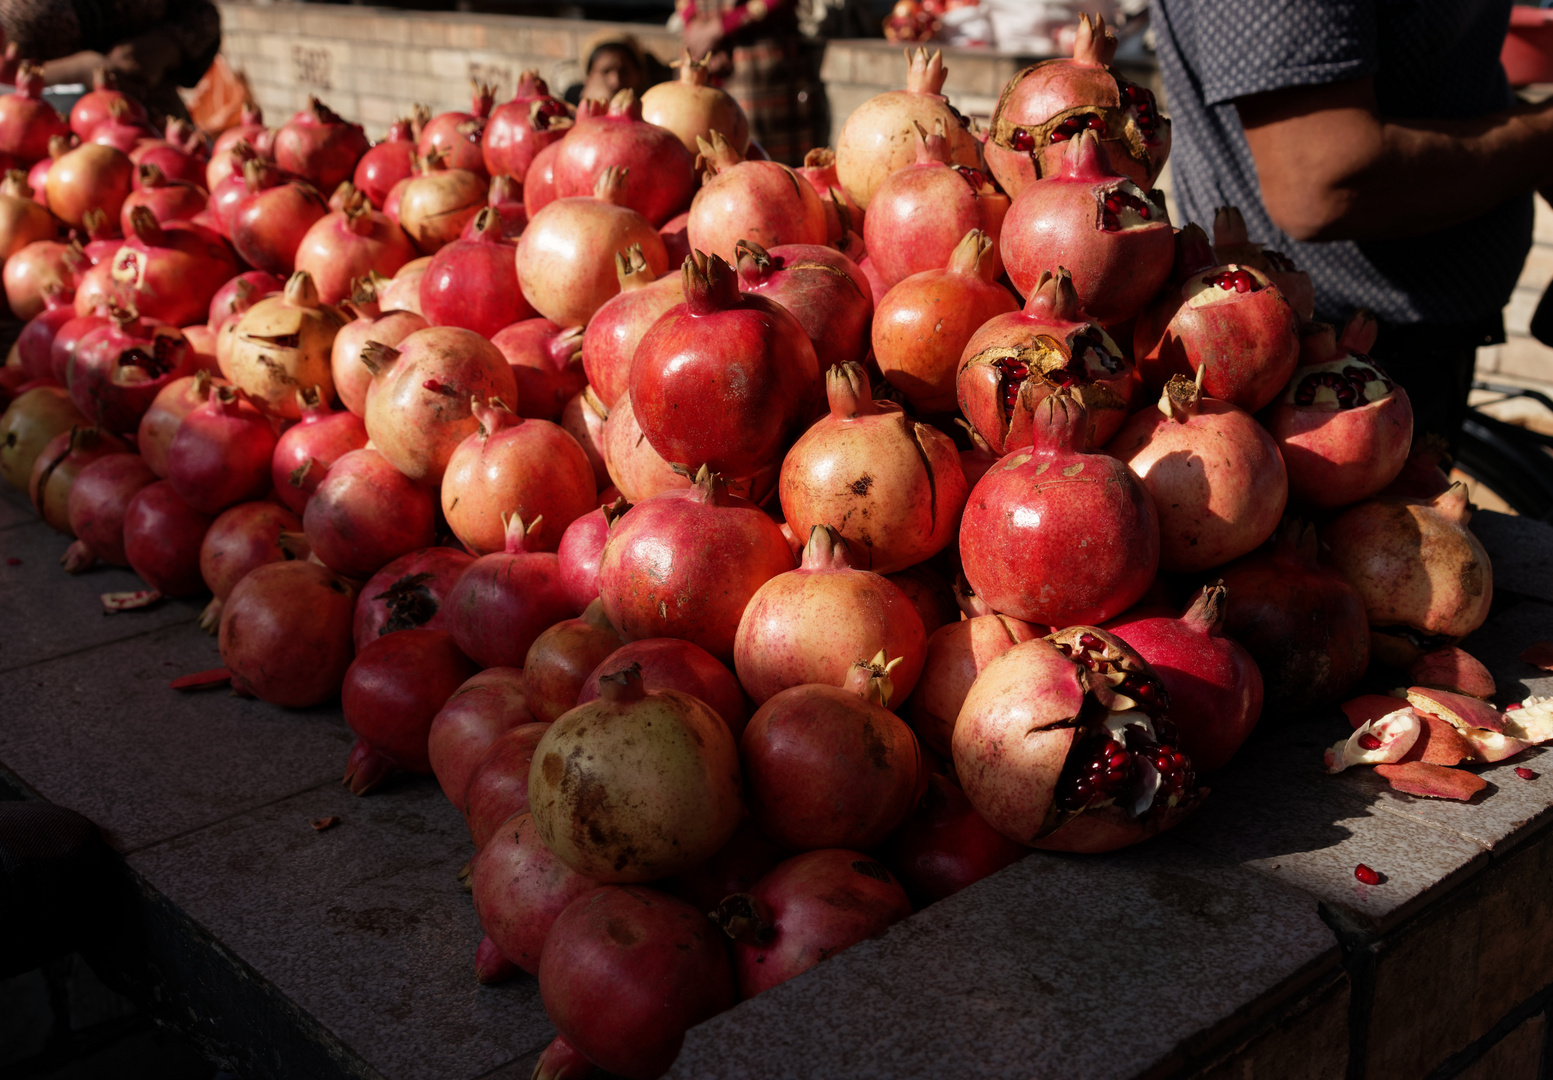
(312, 66)
(498, 75)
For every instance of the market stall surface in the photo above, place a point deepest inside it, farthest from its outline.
(1242, 936)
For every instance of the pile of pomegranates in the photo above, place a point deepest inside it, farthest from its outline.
(722, 554)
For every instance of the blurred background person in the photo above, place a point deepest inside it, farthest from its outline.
(612, 61)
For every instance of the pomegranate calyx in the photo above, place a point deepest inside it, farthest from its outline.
(826, 550)
(301, 291)
(849, 393)
(610, 186)
(1054, 299)
(692, 72)
(925, 74)
(1376, 742)
(493, 415)
(1182, 396)
(871, 679)
(631, 269)
(755, 264)
(377, 356)
(614, 511)
(745, 919)
(1060, 424)
(716, 154)
(711, 285)
(1094, 44)
(625, 104)
(623, 686)
(1206, 611)
(973, 256)
(932, 149)
(521, 538)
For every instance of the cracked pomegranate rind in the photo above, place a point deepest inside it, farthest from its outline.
(1479, 723)
(1539, 655)
(1432, 781)
(1366, 707)
(1376, 742)
(1440, 744)
(1452, 668)
(203, 680)
(1531, 721)
(129, 601)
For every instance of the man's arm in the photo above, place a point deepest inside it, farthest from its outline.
(1331, 168)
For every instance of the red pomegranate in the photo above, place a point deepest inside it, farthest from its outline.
(96, 507)
(392, 691)
(240, 293)
(119, 368)
(805, 911)
(610, 340)
(120, 130)
(1232, 243)
(1047, 104)
(657, 172)
(1064, 744)
(227, 183)
(725, 381)
(351, 243)
(42, 268)
(285, 633)
(408, 592)
(385, 164)
(249, 128)
(56, 468)
(676, 664)
(241, 539)
(922, 325)
(181, 155)
(434, 207)
(822, 288)
(561, 659)
(93, 107)
(520, 128)
(626, 972)
(267, 228)
(507, 599)
(539, 181)
(1018, 360)
(811, 624)
(519, 889)
(419, 406)
(27, 122)
(1232, 321)
(306, 451)
(637, 784)
(1113, 237)
(506, 198)
(676, 238)
(162, 536)
(221, 453)
(1343, 426)
(877, 137)
(759, 201)
(1079, 545)
(637, 470)
(369, 322)
(842, 215)
(666, 570)
(957, 653)
(1214, 685)
(366, 514)
(584, 418)
(546, 362)
(458, 135)
(565, 256)
(35, 344)
(487, 705)
(830, 766)
(1215, 475)
(498, 784)
(945, 845)
(172, 271)
(318, 146)
(473, 282)
(581, 548)
(920, 213)
(1424, 578)
(172, 403)
(892, 487)
(1302, 623)
(507, 466)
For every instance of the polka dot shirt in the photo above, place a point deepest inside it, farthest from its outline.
(1428, 59)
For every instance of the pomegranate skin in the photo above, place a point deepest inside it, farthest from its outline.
(658, 172)
(826, 766)
(822, 288)
(631, 464)
(409, 592)
(674, 664)
(1302, 622)
(1215, 687)
(520, 888)
(220, 455)
(546, 362)
(285, 633)
(392, 692)
(507, 599)
(957, 653)
(561, 659)
(626, 971)
(581, 548)
(318, 146)
(1213, 472)
(488, 704)
(473, 282)
(367, 513)
(162, 537)
(498, 783)
(811, 624)
(762, 202)
(1057, 535)
(351, 377)
(241, 539)
(891, 486)
(1118, 259)
(808, 909)
(610, 340)
(945, 845)
(351, 243)
(666, 571)
(306, 451)
(725, 381)
(922, 325)
(100, 376)
(99, 501)
(385, 164)
(519, 129)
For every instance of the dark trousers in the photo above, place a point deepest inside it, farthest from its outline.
(1434, 363)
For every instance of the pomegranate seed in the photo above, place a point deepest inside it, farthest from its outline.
(1512, 706)
(1369, 742)
(1525, 773)
(1366, 875)
(1023, 141)
(1088, 641)
(13, 561)
(1095, 123)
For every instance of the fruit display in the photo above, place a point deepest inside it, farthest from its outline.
(752, 554)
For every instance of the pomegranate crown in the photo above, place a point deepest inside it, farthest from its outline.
(693, 72)
(521, 538)
(973, 255)
(755, 262)
(530, 85)
(623, 685)
(1206, 609)
(925, 74)
(611, 184)
(1180, 399)
(716, 153)
(932, 149)
(821, 157)
(871, 679)
(29, 79)
(710, 284)
(59, 146)
(1229, 227)
(848, 390)
(15, 184)
(1054, 298)
(103, 78)
(150, 174)
(631, 269)
(493, 415)
(1094, 43)
(482, 97)
(301, 291)
(1061, 424)
(625, 104)
(826, 550)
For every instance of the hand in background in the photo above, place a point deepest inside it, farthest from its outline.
(702, 33)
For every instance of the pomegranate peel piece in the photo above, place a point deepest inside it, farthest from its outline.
(129, 601)
(203, 680)
(1459, 709)
(1376, 741)
(1440, 744)
(1532, 722)
(1367, 707)
(1539, 655)
(1432, 781)
(1452, 668)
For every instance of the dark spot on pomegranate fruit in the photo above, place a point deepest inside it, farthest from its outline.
(861, 485)
(410, 603)
(869, 868)
(551, 768)
(620, 932)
